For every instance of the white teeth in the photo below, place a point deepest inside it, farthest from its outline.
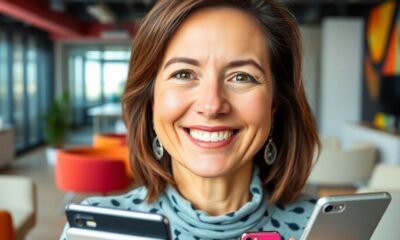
(210, 136)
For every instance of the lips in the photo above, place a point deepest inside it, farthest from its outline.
(211, 137)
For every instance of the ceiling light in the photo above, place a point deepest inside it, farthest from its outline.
(102, 13)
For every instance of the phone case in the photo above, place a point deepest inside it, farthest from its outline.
(99, 223)
(346, 217)
(270, 235)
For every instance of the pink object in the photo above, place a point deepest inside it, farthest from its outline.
(273, 235)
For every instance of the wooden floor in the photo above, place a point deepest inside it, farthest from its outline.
(50, 217)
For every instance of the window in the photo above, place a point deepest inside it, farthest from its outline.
(4, 108)
(114, 74)
(78, 90)
(18, 90)
(93, 82)
(24, 82)
(32, 85)
(97, 75)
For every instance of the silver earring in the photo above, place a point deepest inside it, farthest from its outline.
(270, 152)
(158, 148)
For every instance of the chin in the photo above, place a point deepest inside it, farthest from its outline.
(209, 170)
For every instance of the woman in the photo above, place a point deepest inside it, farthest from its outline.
(221, 137)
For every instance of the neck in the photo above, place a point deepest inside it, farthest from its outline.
(216, 196)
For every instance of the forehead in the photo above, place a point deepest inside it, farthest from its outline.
(219, 31)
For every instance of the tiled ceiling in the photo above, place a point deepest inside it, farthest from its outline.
(308, 11)
(123, 10)
(95, 19)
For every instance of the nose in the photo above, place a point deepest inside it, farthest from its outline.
(211, 101)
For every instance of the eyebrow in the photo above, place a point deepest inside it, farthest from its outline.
(233, 64)
(190, 61)
(240, 63)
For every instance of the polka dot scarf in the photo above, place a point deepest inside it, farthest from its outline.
(187, 221)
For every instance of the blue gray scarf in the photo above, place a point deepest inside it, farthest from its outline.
(187, 221)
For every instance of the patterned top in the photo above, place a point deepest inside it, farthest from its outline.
(189, 223)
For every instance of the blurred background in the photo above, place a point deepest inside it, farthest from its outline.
(63, 67)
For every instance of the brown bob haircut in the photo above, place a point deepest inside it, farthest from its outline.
(294, 128)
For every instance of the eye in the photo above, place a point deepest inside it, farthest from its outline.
(183, 75)
(243, 78)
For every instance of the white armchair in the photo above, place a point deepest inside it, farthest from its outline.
(343, 167)
(18, 197)
(386, 178)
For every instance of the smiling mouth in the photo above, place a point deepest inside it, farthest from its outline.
(211, 136)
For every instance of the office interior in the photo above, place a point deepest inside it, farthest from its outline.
(72, 56)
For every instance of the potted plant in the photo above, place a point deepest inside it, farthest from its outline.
(57, 126)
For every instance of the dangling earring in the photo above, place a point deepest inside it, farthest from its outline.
(270, 152)
(158, 148)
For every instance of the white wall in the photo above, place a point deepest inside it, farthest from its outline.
(341, 74)
(311, 39)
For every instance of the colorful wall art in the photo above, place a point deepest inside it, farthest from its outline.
(382, 54)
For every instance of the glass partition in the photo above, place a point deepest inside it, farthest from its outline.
(97, 75)
(25, 74)
(4, 75)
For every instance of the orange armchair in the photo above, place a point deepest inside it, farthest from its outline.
(115, 144)
(92, 170)
(109, 140)
(6, 226)
(103, 168)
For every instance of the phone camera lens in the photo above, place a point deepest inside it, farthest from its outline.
(78, 221)
(328, 208)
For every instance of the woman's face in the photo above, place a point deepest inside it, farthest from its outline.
(213, 93)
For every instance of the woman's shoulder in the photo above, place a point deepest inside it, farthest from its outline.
(304, 201)
(133, 200)
(296, 212)
(302, 206)
(290, 219)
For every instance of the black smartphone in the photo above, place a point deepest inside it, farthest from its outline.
(99, 223)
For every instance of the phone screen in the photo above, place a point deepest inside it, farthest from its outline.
(100, 221)
(270, 235)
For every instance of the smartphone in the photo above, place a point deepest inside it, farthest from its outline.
(346, 216)
(270, 235)
(98, 223)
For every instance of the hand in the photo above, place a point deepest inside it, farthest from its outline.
(292, 238)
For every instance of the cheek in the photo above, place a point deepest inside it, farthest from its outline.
(168, 106)
(256, 109)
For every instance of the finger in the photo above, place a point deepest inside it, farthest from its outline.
(292, 238)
